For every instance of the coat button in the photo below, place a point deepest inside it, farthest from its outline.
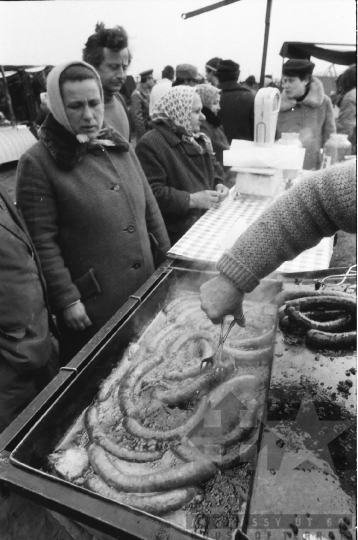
(136, 265)
(131, 228)
(115, 188)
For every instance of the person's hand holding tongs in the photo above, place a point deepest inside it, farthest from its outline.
(222, 339)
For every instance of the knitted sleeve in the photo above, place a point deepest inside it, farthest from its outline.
(37, 202)
(320, 205)
(170, 200)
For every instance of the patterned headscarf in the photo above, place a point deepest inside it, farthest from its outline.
(208, 94)
(174, 109)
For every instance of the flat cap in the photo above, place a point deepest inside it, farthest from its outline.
(147, 73)
(227, 70)
(186, 71)
(297, 68)
(212, 64)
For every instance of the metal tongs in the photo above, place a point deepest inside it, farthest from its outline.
(321, 283)
(222, 339)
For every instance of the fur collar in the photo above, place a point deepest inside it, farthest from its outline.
(66, 150)
(313, 99)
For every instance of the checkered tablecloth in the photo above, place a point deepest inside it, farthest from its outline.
(218, 228)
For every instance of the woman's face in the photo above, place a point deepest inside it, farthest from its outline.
(83, 106)
(294, 87)
(196, 115)
(215, 107)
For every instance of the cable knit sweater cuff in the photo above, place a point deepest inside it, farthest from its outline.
(237, 272)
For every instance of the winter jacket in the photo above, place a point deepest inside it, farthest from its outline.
(320, 205)
(312, 118)
(93, 219)
(175, 169)
(236, 111)
(25, 341)
(140, 110)
(216, 135)
(347, 118)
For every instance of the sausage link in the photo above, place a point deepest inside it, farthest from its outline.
(172, 478)
(325, 340)
(285, 296)
(156, 504)
(96, 435)
(328, 326)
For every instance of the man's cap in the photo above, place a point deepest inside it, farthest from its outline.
(145, 74)
(268, 76)
(250, 79)
(186, 71)
(227, 70)
(297, 68)
(212, 64)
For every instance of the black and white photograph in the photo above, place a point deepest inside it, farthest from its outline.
(178, 270)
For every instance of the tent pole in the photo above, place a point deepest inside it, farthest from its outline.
(267, 30)
(8, 97)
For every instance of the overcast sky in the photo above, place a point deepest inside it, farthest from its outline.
(51, 32)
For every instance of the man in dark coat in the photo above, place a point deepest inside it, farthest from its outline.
(27, 362)
(236, 103)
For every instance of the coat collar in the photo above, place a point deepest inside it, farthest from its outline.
(174, 140)
(313, 99)
(66, 150)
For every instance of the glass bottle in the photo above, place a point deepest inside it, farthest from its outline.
(289, 139)
(336, 149)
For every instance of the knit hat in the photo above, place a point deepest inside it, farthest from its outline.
(186, 71)
(212, 64)
(250, 80)
(227, 70)
(297, 68)
(54, 98)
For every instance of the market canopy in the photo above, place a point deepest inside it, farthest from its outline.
(298, 49)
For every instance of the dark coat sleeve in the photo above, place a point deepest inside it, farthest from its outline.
(170, 199)
(37, 202)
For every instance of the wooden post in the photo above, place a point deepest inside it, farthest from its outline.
(8, 97)
(267, 30)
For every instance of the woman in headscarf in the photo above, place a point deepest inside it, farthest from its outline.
(89, 208)
(347, 101)
(179, 161)
(211, 126)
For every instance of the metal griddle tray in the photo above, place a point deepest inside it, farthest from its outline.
(90, 367)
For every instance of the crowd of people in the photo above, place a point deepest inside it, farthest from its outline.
(112, 183)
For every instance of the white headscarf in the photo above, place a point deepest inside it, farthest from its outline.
(55, 102)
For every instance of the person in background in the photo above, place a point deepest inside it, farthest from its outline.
(179, 162)
(211, 126)
(347, 101)
(251, 84)
(140, 103)
(28, 361)
(236, 103)
(185, 75)
(305, 109)
(162, 87)
(107, 51)
(323, 203)
(268, 82)
(89, 209)
(210, 71)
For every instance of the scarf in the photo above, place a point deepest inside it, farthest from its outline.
(55, 102)
(174, 110)
(208, 94)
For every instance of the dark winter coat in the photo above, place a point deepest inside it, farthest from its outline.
(25, 340)
(93, 219)
(236, 111)
(312, 118)
(213, 129)
(174, 170)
